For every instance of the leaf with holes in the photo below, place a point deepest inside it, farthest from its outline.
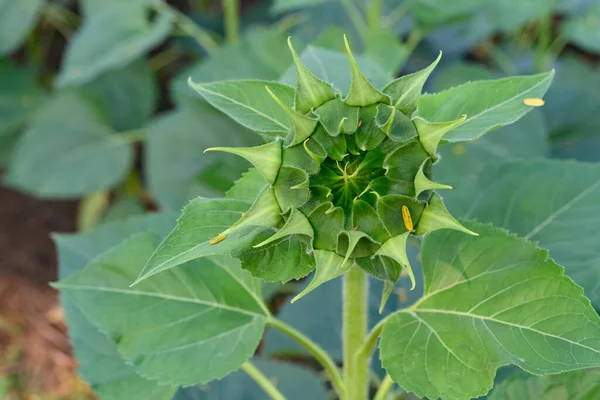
(489, 301)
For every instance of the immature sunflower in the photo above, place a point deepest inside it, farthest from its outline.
(351, 180)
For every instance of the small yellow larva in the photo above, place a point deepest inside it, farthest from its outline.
(408, 224)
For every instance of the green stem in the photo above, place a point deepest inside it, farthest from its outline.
(231, 9)
(356, 368)
(320, 354)
(384, 389)
(370, 342)
(132, 136)
(188, 26)
(543, 43)
(374, 16)
(356, 17)
(262, 381)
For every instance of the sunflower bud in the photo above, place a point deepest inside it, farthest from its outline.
(352, 180)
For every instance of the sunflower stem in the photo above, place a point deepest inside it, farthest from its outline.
(355, 319)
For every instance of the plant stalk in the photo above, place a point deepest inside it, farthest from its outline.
(231, 9)
(384, 389)
(316, 350)
(262, 381)
(374, 16)
(355, 319)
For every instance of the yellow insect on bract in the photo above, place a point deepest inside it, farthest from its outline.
(533, 102)
(217, 239)
(408, 224)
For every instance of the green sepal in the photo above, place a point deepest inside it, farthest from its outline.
(366, 219)
(348, 244)
(327, 222)
(384, 186)
(430, 133)
(329, 265)
(406, 90)
(337, 117)
(395, 248)
(265, 212)
(422, 183)
(315, 151)
(319, 195)
(403, 163)
(291, 188)
(311, 92)
(368, 135)
(361, 92)
(383, 268)
(435, 216)
(297, 224)
(335, 146)
(386, 292)
(396, 125)
(283, 261)
(302, 125)
(389, 209)
(297, 156)
(266, 158)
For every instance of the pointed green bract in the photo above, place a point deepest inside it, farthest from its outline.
(264, 212)
(430, 133)
(361, 92)
(406, 90)
(435, 216)
(353, 238)
(265, 158)
(422, 183)
(311, 92)
(395, 248)
(297, 224)
(329, 265)
(291, 188)
(302, 125)
(338, 117)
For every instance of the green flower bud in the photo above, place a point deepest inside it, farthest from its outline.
(352, 180)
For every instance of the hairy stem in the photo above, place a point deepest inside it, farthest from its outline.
(231, 9)
(356, 368)
(316, 350)
(543, 43)
(262, 381)
(384, 388)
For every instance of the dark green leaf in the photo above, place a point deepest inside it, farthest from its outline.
(17, 18)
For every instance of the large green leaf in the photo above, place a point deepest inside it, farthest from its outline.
(189, 326)
(17, 18)
(111, 38)
(334, 68)
(293, 381)
(576, 385)
(249, 103)
(68, 150)
(100, 363)
(488, 104)
(489, 301)
(128, 94)
(259, 54)
(176, 169)
(555, 203)
(19, 97)
(200, 222)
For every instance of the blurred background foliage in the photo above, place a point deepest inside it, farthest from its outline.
(97, 124)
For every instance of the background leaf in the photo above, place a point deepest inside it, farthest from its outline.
(295, 382)
(111, 38)
(17, 19)
(128, 94)
(68, 150)
(175, 329)
(176, 168)
(490, 300)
